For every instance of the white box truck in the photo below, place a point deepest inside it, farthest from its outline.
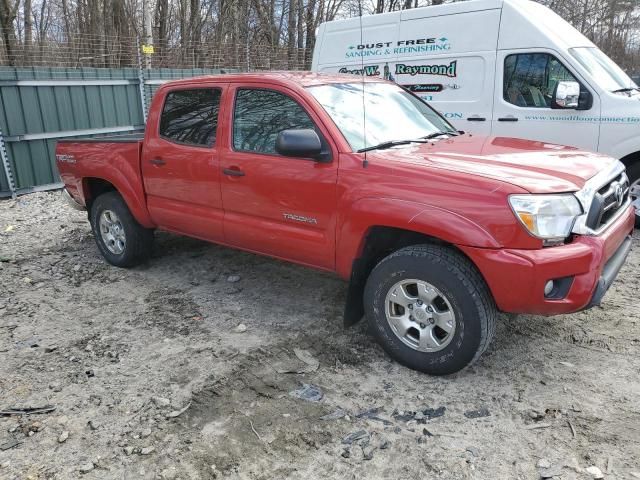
(502, 68)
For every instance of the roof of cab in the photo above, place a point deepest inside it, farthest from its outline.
(303, 79)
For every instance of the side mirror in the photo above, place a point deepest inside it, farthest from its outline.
(303, 143)
(585, 101)
(566, 95)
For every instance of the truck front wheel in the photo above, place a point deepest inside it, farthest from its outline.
(430, 309)
(122, 241)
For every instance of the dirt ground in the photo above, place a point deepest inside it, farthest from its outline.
(151, 376)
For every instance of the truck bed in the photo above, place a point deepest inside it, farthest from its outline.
(114, 159)
(128, 138)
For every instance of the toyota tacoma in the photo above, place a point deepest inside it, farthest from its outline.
(436, 231)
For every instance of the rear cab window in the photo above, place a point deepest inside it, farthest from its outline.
(190, 117)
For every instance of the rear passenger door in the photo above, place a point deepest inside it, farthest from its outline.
(280, 206)
(180, 163)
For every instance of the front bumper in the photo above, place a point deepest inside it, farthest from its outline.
(517, 278)
(610, 272)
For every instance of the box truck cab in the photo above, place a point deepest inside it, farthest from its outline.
(506, 68)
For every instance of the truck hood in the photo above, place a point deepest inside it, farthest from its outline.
(533, 166)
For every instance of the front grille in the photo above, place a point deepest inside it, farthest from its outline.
(608, 201)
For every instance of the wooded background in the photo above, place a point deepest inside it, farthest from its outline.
(244, 34)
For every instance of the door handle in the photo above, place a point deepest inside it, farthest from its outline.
(510, 118)
(476, 119)
(157, 162)
(233, 172)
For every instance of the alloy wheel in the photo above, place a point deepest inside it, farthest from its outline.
(112, 232)
(420, 315)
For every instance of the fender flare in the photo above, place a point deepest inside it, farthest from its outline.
(127, 181)
(430, 220)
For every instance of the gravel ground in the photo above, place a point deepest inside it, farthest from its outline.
(184, 368)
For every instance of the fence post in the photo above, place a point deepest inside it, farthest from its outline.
(143, 95)
(7, 168)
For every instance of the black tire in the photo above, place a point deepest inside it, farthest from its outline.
(139, 240)
(633, 172)
(465, 290)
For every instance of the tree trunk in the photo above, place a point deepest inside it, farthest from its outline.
(291, 33)
(7, 17)
(195, 30)
(300, 34)
(311, 19)
(613, 12)
(162, 17)
(28, 29)
(184, 33)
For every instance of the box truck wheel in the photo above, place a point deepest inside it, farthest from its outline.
(633, 171)
(430, 309)
(122, 241)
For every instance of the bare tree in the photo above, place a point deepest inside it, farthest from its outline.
(240, 33)
(292, 30)
(28, 27)
(8, 13)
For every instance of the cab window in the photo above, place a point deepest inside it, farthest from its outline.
(530, 79)
(191, 116)
(260, 115)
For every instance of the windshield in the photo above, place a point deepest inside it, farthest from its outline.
(602, 69)
(391, 113)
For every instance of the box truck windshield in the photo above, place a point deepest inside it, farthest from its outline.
(602, 69)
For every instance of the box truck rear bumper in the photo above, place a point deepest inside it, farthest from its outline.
(581, 271)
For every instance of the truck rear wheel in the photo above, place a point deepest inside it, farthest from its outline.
(122, 241)
(430, 309)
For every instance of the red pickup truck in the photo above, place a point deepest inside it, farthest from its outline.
(435, 230)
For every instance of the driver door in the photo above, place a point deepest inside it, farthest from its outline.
(279, 206)
(525, 85)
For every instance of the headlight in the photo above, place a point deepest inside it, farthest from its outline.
(549, 217)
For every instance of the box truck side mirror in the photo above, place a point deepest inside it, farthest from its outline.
(571, 95)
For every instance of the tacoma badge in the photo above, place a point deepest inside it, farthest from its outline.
(299, 218)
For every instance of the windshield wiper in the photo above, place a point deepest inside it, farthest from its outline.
(439, 134)
(392, 143)
(625, 90)
(395, 143)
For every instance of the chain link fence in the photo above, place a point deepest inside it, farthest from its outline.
(101, 51)
(81, 85)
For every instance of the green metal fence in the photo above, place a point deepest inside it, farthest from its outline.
(39, 105)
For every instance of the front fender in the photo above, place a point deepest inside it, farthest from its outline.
(429, 220)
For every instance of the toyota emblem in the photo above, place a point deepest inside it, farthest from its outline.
(619, 194)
